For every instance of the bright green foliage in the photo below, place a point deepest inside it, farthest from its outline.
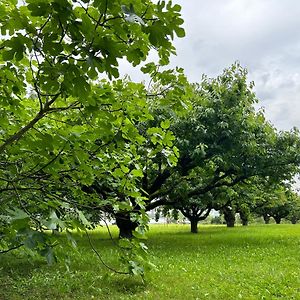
(64, 128)
(222, 141)
(230, 143)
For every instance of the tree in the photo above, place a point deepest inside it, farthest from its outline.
(229, 215)
(294, 215)
(63, 128)
(222, 141)
(243, 200)
(279, 202)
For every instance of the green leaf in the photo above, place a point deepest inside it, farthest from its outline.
(8, 55)
(125, 169)
(17, 214)
(165, 124)
(139, 235)
(180, 32)
(137, 173)
(71, 239)
(118, 173)
(50, 257)
(82, 218)
(38, 8)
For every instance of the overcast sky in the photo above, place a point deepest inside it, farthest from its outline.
(263, 35)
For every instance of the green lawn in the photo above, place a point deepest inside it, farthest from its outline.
(255, 262)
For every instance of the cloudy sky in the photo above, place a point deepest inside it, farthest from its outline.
(263, 35)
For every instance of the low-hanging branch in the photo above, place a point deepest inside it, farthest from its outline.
(101, 259)
(19, 134)
(11, 249)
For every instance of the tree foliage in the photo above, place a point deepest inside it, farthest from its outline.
(65, 129)
(278, 201)
(223, 142)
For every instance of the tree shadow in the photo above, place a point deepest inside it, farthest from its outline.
(14, 265)
(128, 285)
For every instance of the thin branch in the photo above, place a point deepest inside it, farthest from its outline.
(161, 93)
(50, 162)
(59, 121)
(19, 134)
(87, 121)
(109, 232)
(44, 25)
(101, 259)
(7, 189)
(10, 249)
(71, 106)
(152, 77)
(38, 223)
(144, 13)
(63, 31)
(109, 19)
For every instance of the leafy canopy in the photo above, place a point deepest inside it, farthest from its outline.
(65, 127)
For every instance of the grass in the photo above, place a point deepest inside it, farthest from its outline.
(255, 262)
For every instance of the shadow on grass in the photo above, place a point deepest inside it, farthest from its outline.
(15, 266)
(128, 285)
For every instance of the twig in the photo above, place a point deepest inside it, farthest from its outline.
(109, 232)
(10, 249)
(50, 162)
(101, 259)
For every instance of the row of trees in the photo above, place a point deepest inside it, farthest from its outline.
(249, 204)
(76, 148)
(227, 152)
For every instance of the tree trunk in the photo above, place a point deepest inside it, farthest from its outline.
(244, 218)
(194, 225)
(277, 219)
(229, 216)
(245, 222)
(125, 225)
(294, 220)
(266, 219)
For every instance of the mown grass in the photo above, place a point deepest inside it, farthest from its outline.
(255, 262)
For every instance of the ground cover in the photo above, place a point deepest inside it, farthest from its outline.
(254, 262)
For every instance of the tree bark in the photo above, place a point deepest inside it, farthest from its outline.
(194, 225)
(294, 220)
(266, 219)
(244, 218)
(245, 222)
(277, 219)
(229, 216)
(125, 225)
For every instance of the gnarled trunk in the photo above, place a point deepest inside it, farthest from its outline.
(277, 219)
(266, 219)
(244, 218)
(194, 225)
(195, 214)
(125, 225)
(229, 216)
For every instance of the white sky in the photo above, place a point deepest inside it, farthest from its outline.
(263, 35)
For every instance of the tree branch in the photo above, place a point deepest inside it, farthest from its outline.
(12, 248)
(101, 259)
(18, 135)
